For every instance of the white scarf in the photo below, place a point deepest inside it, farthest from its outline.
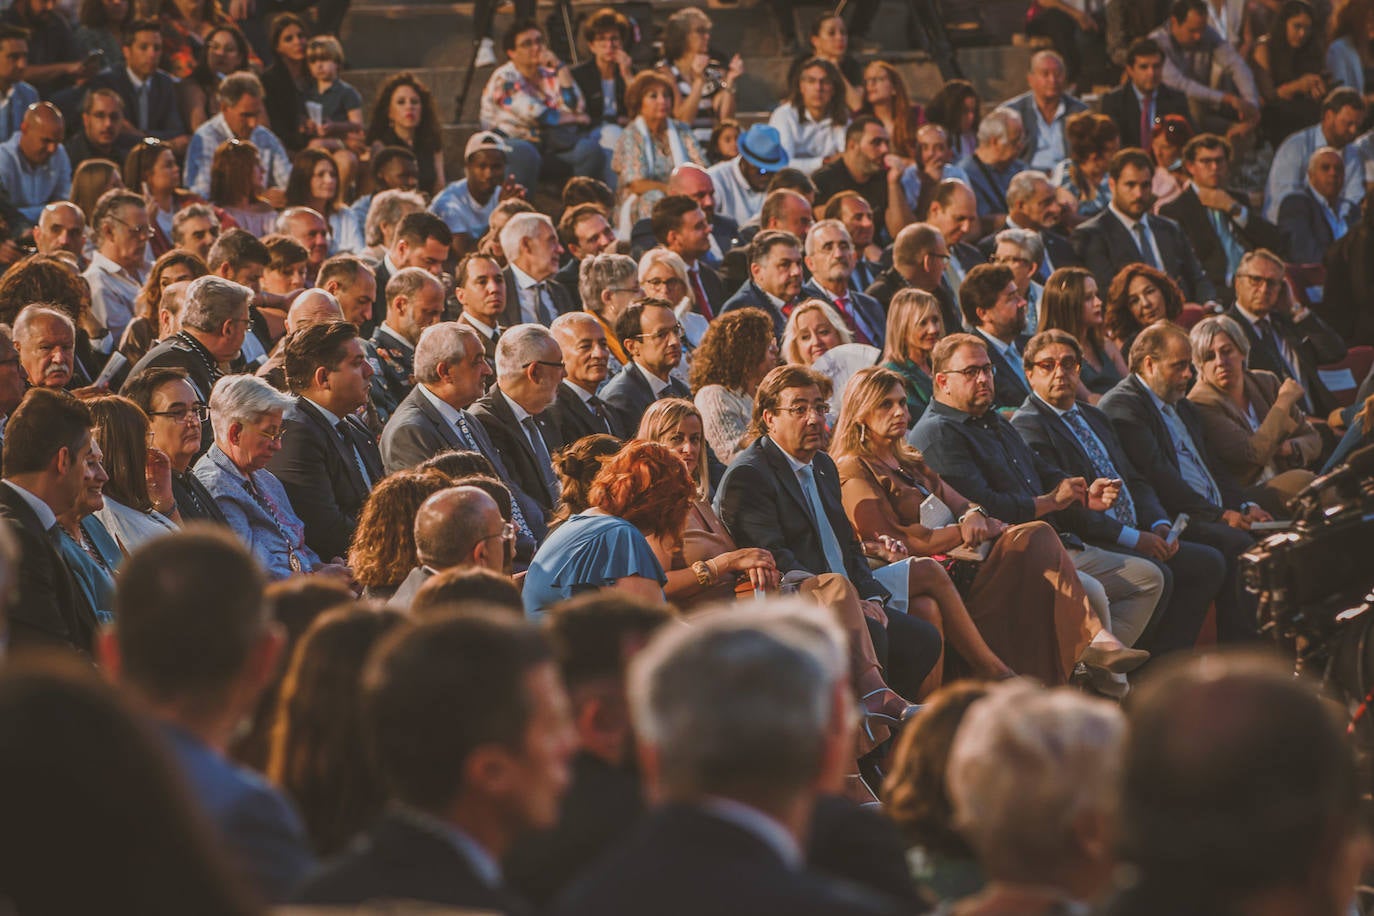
(679, 156)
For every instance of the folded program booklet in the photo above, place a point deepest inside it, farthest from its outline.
(935, 514)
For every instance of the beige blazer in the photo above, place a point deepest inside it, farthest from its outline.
(1245, 452)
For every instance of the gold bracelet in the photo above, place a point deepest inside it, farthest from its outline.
(703, 573)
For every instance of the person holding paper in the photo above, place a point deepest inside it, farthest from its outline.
(1025, 597)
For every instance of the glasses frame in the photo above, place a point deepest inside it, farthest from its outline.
(200, 411)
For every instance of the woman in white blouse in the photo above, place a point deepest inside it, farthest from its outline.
(734, 356)
(811, 122)
(139, 490)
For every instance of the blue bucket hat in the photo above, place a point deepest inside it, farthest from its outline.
(761, 147)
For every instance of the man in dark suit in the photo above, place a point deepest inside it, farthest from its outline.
(150, 95)
(1219, 225)
(830, 257)
(328, 461)
(1079, 439)
(1126, 232)
(728, 834)
(996, 311)
(49, 462)
(775, 271)
(532, 252)
(456, 528)
(583, 231)
(1032, 203)
(1162, 432)
(681, 226)
(422, 240)
(450, 372)
(529, 368)
(1290, 341)
(691, 180)
(1310, 218)
(1143, 100)
(652, 337)
(199, 682)
(480, 286)
(440, 707)
(919, 259)
(578, 411)
(414, 301)
(783, 494)
(100, 137)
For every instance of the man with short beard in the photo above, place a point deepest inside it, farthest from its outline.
(868, 167)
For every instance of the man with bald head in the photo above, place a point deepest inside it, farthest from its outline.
(308, 227)
(1314, 217)
(352, 283)
(919, 258)
(455, 528)
(34, 167)
(61, 227)
(577, 410)
(314, 306)
(954, 211)
(694, 182)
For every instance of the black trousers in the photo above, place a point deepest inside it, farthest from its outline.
(1235, 607)
(1193, 578)
(907, 648)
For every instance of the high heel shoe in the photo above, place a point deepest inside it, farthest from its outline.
(885, 714)
(1119, 660)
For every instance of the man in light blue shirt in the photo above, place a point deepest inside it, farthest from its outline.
(15, 95)
(466, 205)
(1044, 110)
(34, 167)
(240, 100)
(1342, 112)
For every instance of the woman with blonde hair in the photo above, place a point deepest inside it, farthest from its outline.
(1024, 597)
(812, 329)
(915, 325)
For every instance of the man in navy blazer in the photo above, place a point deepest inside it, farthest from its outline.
(450, 372)
(996, 311)
(199, 682)
(1161, 430)
(1044, 110)
(652, 338)
(1145, 87)
(1078, 438)
(830, 256)
(764, 503)
(149, 94)
(1310, 217)
(775, 277)
(328, 461)
(1114, 238)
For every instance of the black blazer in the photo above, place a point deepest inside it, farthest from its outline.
(321, 477)
(1123, 107)
(417, 431)
(494, 412)
(568, 277)
(570, 414)
(182, 351)
(400, 860)
(890, 282)
(285, 108)
(164, 114)
(628, 395)
(968, 256)
(1050, 438)
(1141, 429)
(1105, 246)
(1192, 217)
(588, 79)
(46, 609)
(1312, 339)
(683, 861)
(194, 501)
(762, 504)
(393, 369)
(1007, 388)
(562, 302)
(751, 296)
(713, 286)
(866, 311)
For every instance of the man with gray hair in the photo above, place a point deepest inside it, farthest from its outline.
(529, 367)
(1033, 204)
(736, 781)
(830, 256)
(214, 321)
(993, 163)
(455, 528)
(240, 114)
(532, 249)
(578, 411)
(46, 341)
(450, 374)
(1045, 109)
(61, 227)
(121, 228)
(194, 229)
(307, 226)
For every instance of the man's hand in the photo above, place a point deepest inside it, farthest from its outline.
(976, 529)
(511, 189)
(1214, 198)
(1255, 514)
(1235, 519)
(874, 611)
(1071, 490)
(1155, 547)
(1103, 493)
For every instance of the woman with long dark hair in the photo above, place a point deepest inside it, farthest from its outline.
(151, 169)
(811, 123)
(1071, 303)
(957, 108)
(404, 115)
(1288, 63)
(286, 81)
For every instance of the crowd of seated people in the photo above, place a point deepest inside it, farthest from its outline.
(509, 498)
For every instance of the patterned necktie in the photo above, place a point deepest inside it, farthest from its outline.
(1190, 465)
(352, 447)
(543, 462)
(1146, 122)
(516, 514)
(143, 105)
(1123, 510)
(834, 556)
(1142, 240)
(851, 320)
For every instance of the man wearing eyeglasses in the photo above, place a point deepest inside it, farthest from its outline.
(456, 528)
(652, 337)
(1078, 438)
(529, 366)
(117, 267)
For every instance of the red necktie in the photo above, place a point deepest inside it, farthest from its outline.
(699, 293)
(1145, 123)
(842, 303)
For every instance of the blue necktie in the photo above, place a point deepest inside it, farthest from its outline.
(834, 556)
(1123, 510)
(1142, 240)
(1190, 465)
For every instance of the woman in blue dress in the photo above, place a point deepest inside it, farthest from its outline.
(643, 489)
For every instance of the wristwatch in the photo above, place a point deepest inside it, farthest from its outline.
(972, 508)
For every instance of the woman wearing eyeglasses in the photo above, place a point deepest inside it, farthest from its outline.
(663, 275)
(1022, 251)
(1072, 303)
(246, 414)
(175, 416)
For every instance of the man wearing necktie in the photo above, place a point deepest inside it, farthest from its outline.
(682, 227)
(996, 310)
(578, 411)
(533, 251)
(830, 256)
(328, 462)
(149, 94)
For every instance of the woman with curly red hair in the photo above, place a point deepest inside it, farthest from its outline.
(643, 490)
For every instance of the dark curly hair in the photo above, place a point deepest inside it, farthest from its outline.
(47, 279)
(649, 487)
(1121, 324)
(731, 350)
(379, 125)
(577, 466)
(382, 553)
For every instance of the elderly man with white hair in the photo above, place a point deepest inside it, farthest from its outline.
(1032, 779)
(450, 374)
(994, 162)
(246, 416)
(734, 780)
(529, 368)
(46, 341)
(532, 249)
(577, 410)
(1022, 250)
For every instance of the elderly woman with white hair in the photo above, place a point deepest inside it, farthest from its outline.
(246, 413)
(663, 275)
(1032, 778)
(1023, 251)
(1252, 423)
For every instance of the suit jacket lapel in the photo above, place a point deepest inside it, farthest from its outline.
(446, 430)
(310, 414)
(501, 409)
(782, 472)
(1060, 429)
